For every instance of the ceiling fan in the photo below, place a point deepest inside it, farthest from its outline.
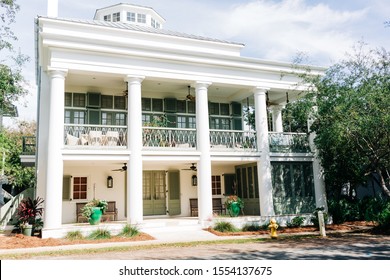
(124, 168)
(192, 167)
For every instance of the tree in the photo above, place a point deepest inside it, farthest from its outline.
(19, 177)
(352, 119)
(12, 82)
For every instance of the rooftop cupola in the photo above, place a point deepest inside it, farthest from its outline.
(133, 14)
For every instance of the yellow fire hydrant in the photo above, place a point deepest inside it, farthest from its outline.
(273, 226)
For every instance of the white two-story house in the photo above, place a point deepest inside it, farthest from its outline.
(150, 118)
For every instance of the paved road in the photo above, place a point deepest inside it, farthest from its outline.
(351, 247)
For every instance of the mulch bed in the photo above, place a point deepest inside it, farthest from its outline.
(21, 241)
(345, 226)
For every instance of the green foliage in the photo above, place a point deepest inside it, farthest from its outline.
(74, 235)
(129, 231)
(100, 233)
(351, 120)
(296, 222)
(8, 10)
(384, 217)
(252, 227)
(343, 210)
(223, 226)
(87, 209)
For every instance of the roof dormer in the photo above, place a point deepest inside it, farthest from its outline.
(132, 14)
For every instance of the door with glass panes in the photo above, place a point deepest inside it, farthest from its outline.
(154, 193)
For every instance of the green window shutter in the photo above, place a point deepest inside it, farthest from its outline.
(237, 124)
(170, 105)
(66, 181)
(174, 207)
(93, 116)
(93, 100)
(229, 183)
(171, 120)
(236, 109)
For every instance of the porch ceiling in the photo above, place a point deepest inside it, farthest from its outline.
(115, 85)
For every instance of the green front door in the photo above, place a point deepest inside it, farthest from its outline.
(154, 193)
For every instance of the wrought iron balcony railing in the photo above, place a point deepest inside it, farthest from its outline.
(164, 137)
(29, 145)
(236, 140)
(95, 135)
(288, 142)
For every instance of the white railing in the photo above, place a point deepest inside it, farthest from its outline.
(165, 137)
(95, 135)
(288, 142)
(237, 140)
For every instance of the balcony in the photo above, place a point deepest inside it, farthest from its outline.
(29, 145)
(288, 142)
(163, 137)
(86, 136)
(233, 140)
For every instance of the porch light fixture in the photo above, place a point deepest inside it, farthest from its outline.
(189, 97)
(110, 182)
(194, 180)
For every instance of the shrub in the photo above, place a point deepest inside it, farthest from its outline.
(74, 235)
(344, 210)
(296, 222)
(129, 231)
(225, 227)
(384, 216)
(100, 234)
(252, 227)
(370, 208)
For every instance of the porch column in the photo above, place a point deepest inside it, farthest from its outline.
(319, 182)
(55, 142)
(277, 118)
(134, 145)
(264, 163)
(203, 146)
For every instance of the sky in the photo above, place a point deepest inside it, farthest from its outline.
(324, 30)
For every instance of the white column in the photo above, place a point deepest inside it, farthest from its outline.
(264, 163)
(134, 144)
(55, 142)
(319, 182)
(203, 146)
(277, 118)
(52, 8)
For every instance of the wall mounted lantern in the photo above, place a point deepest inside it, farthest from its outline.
(110, 182)
(194, 180)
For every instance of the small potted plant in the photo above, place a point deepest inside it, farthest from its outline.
(30, 212)
(234, 205)
(94, 210)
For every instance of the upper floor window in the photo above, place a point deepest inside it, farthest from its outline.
(141, 18)
(158, 26)
(75, 99)
(131, 16)
(107, 18)
(153, 23)
(116, 17)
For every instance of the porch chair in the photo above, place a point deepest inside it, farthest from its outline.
(194, 207)
(111, 213)
(218, 207)
(79, 214)
(95, 138)
(111, 138)
(71, 140)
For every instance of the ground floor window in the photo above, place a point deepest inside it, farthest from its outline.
(293, 187)
(216, 184)
(79, 187)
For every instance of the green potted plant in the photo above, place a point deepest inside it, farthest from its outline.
(30, 213)
(94, 210)
(234, 205)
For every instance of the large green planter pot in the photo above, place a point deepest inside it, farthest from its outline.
(27, 230)
(95, 216)
(234, 209)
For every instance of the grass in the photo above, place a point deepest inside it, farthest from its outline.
(223, 226)
(129, 231)
(74, 235)
(100, 233)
